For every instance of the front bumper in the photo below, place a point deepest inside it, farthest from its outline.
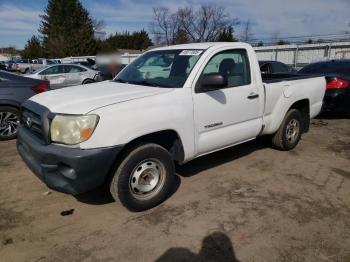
(67, 170)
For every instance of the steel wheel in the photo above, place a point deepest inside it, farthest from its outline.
(144, 177)
(147, 179)
(292, 130)
(9, 123)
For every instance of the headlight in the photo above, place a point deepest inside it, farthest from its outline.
(72, 130)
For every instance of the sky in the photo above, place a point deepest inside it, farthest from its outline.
(19, 19)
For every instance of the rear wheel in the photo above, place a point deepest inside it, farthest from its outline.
(289, 133)
(144, 178)
(9, 122)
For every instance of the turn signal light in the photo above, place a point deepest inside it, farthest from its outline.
(86, 133)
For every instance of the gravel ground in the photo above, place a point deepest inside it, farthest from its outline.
(247, 203)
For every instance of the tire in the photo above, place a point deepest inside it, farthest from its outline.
(135, 181)
(88, 81)
(288, 135)
(9, 122)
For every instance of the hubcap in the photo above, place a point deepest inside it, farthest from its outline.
(147, 178)
(292, 131)
(8, 124)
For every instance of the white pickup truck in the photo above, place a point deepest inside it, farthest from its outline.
(172, 104)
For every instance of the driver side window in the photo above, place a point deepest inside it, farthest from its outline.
(233, 65)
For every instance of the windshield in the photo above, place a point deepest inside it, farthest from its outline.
(165, 68)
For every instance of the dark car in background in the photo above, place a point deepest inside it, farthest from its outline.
(275, 67)
(6, 65)
(2, 66)
(10, 64)
(14, 90)
(337, 72)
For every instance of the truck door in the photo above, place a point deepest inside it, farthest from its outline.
(230, 114)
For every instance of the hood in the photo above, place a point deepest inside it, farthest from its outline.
(85, 98)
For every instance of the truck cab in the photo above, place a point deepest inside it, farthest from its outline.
(171, 105)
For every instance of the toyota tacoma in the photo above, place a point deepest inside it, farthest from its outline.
(170, 105)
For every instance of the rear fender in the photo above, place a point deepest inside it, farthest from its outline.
(274, 120)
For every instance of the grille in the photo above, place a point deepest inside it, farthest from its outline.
(32, 122)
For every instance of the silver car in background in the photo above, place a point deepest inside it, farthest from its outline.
(63, 75)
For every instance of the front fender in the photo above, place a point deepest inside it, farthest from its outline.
(7, 102)
(124, 122)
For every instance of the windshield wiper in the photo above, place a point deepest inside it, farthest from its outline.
(143, 82)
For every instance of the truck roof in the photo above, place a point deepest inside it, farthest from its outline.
(201, 45)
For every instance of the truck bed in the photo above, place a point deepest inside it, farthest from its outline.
(281, 90)
(275, 78)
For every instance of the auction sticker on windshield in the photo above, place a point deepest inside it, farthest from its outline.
(191, 52)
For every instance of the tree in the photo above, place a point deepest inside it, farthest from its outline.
(181, 37)
(67, 29)
(9, 50)
(138, 40)
(165, 25)
(275, 37)
(227, 35)
(205, 24)
(260, 43)
(309, 41)
(247, 35)
(282, 42)
(33, 49)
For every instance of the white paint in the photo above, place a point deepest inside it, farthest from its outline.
(130, 111)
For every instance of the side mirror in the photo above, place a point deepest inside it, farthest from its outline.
(212, 82)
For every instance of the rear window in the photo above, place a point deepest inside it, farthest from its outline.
(327, 68)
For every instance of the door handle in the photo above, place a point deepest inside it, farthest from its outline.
(253, 96)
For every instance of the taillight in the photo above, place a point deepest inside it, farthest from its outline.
(17, 66)
(42, 87)
(337, 83)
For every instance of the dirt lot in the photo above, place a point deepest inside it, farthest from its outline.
(248, 203)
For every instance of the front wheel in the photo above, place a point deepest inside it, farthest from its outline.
(9, 122)
(288, 135)
(144, 178)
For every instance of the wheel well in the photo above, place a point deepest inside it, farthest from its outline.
(168, 139)
(10, 105)
(88, 79)
(304, 107)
